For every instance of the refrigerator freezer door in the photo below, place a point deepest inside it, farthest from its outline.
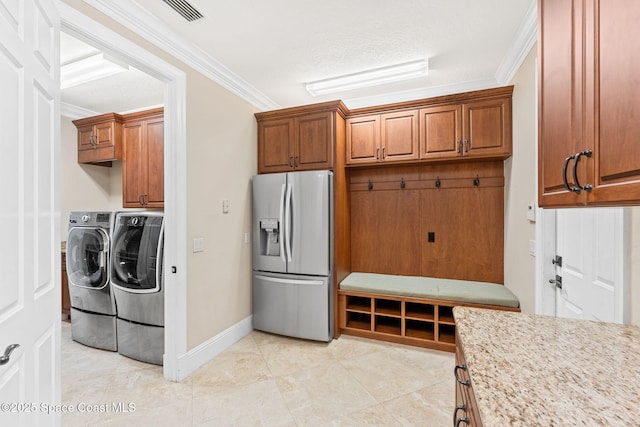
(309, 226)
(268, 222)
(294, 306)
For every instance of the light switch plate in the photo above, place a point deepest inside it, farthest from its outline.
(198, 244)
(532, 247)
(531, 212)
(225, 206)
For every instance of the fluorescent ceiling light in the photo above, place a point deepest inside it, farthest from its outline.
(91, 68)
(394, 73)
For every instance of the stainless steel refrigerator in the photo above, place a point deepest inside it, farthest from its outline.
(293, 254)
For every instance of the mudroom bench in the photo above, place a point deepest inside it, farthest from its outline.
(413, 310)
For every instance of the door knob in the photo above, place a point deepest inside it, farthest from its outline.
(4, 359)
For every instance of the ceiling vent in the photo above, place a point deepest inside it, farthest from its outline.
(185, 9)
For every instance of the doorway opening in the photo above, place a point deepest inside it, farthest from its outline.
(173, 80)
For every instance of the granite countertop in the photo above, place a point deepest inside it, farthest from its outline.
(529, 370)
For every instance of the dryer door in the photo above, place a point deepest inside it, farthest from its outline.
(136, 257)
(87, 257)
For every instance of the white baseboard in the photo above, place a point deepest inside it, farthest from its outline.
(198, 356)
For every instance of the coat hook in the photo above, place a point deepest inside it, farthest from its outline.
(476, 182)
(402, 183)
(370, 185)
(438, 183)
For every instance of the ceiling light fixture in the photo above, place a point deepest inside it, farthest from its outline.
(377, 76)
(94, 67)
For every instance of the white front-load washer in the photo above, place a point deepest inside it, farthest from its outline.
(93, 309)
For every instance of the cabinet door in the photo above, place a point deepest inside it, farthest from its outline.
(440, 132)
(486, 130)
(560, 98)
(385, 234)
(399, 136)
(616, 146)
(134, 165)
(363, 140)
(154, 141)
(314, 144)
(276, 139)
(468, 235)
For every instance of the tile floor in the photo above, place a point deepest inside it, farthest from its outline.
(265, 380)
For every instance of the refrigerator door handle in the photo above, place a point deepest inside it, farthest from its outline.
(281, 232)
(290, 281)
(287, 223)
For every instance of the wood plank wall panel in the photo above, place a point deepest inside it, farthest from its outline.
(390, 224)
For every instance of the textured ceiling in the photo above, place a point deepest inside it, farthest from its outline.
(276, 46)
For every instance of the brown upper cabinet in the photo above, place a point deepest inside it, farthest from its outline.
(588, 150)
(474, 129)
(301, 138)
(474, 125)
(143, 163)
(99, 139)
(382, 137)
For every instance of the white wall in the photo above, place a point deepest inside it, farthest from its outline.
(520, 188)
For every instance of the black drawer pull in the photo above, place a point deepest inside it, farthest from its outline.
(456, 420)
(455, 374)
(564, 173)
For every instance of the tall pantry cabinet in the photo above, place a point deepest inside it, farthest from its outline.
(589, 114)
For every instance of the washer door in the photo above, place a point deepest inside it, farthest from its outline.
(136, 257)
(87, 257)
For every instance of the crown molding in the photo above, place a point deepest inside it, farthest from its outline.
(413, 94)
(74, 112)
(520, 47)
(140, 21)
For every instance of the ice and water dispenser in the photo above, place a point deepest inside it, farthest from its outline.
(269, 237)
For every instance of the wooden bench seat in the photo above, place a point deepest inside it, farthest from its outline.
(413, 310)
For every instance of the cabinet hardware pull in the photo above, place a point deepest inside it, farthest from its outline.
(579, 187)
(402, 183)
(93, 140)
(466, 145)
(296, 163)
(438, 183)
(460, 381)
(564, 172)
(377, 153)
(456, 420)
(370, 186)
(291, 161)
(383, 156)
(4, 359)
(476, 182)
(459, 147)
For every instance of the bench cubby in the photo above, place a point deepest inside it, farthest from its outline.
(419, 321)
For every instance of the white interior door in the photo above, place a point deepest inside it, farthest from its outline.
(29, 223)
(592, 244)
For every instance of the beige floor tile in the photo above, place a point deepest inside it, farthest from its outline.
(391, 373)
(266, 380)
(432, 406)
(373, 416)
(257, 404)
(319, 395)
(228, 370)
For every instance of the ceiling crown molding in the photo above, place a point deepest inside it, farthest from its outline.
(74, 112)
(520, 47)
(140, 21)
